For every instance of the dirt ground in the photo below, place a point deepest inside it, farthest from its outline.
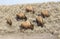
(50, 30)
(25, 36)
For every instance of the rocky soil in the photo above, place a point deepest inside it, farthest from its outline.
(50, 30)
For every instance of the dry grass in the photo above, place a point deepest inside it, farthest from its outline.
(52, 23)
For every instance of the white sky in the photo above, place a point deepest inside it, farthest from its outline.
(10, 2)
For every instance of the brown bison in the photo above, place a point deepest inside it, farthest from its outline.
(30, 9)
(9, 21)
(39, 21)
(21, 16)
(45, 13)
(27, 25)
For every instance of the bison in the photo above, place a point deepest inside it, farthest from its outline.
(45, 13)
(30, 9)
(21, 16)
(39, 21)
(9, 21)
(27, 25)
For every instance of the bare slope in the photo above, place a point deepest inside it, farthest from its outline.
(52, 23)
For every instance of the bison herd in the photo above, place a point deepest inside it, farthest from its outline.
(27, 24)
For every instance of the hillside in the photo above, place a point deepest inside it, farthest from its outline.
(51, 23)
